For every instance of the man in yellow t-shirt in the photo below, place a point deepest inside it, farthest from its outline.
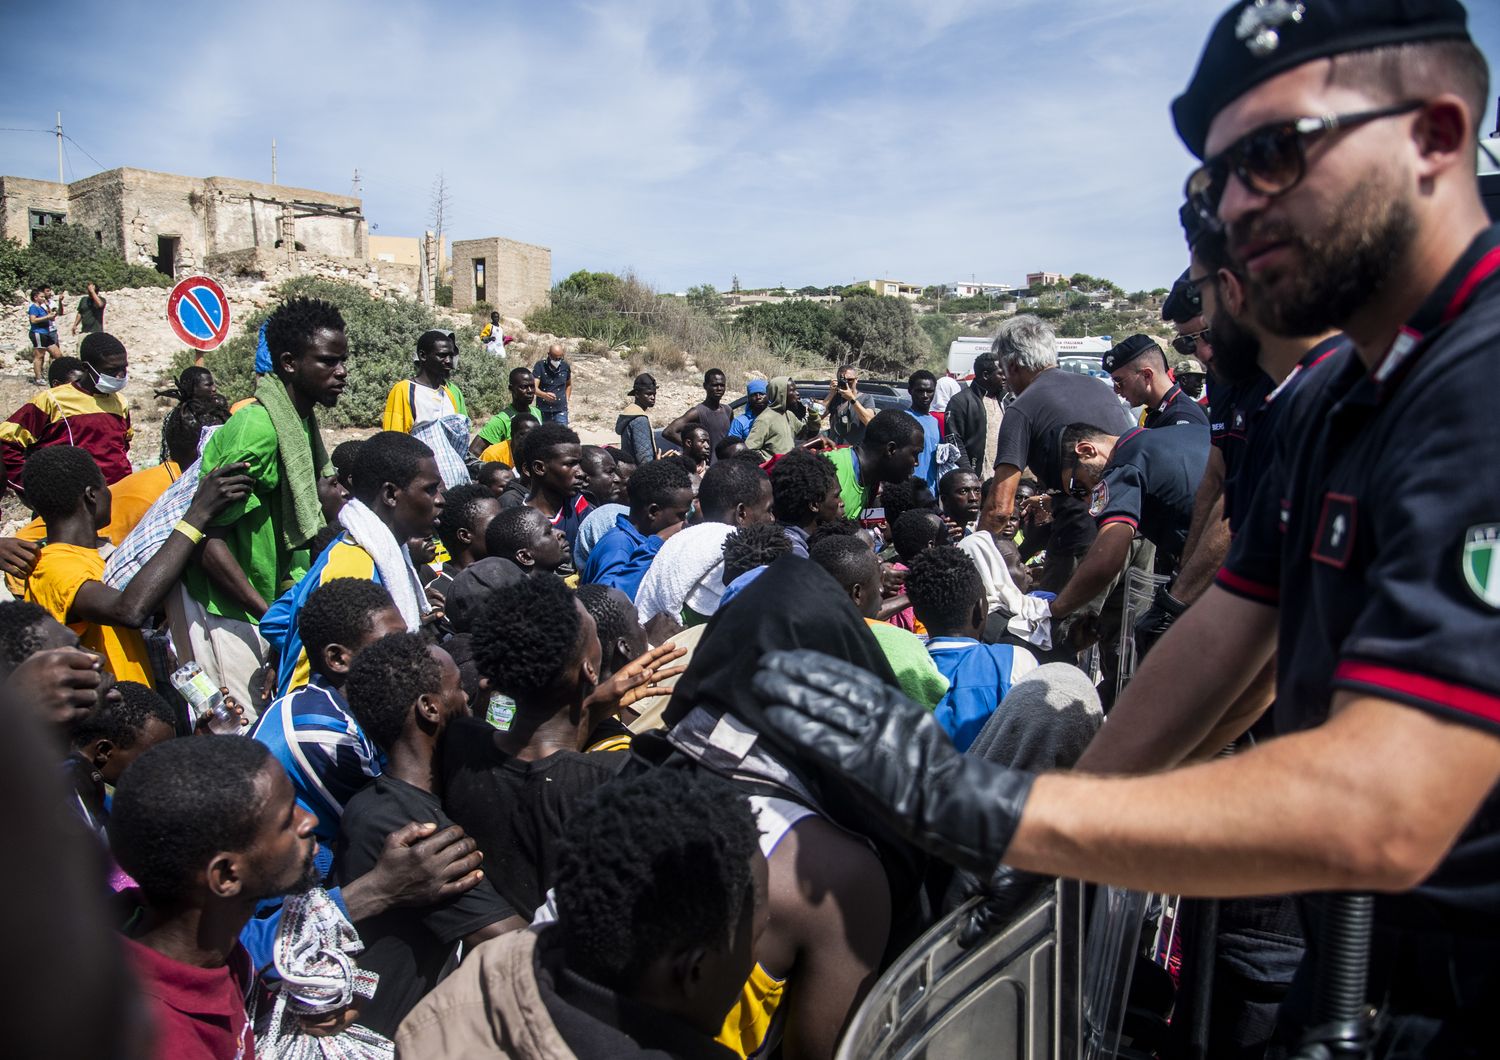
(69, 494)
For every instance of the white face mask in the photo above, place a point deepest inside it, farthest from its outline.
(107, 384)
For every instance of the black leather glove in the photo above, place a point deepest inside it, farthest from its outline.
(962, 809)
(1159, 616)
(1003, 897)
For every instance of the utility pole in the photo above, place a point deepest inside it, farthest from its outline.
(273, 161)
(59, 148)
(354, 190)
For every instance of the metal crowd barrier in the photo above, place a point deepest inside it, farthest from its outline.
(1140, 590)
(1051, 986)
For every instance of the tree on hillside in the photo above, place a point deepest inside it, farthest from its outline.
(858, 290)
(881, 333)
(1139, 297)
(941, 329)
(585, 284)
(806, 325)
(705, 297)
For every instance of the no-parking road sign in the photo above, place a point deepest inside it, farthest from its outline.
(199, 312)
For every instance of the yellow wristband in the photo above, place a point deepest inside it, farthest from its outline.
(189, 531)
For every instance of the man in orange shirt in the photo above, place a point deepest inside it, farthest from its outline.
(69, 493)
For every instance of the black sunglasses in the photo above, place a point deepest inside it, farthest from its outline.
(1188, 343)
(1272, 159)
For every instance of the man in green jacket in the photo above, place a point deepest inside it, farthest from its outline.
(775, 430)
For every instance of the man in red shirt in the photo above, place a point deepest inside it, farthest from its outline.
(88, 412)
(208, 828)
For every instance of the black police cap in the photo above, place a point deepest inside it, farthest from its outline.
(1257, 39)
(1193, 224)
(1128, 351)
(1184, 302)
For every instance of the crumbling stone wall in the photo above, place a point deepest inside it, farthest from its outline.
(19, 196)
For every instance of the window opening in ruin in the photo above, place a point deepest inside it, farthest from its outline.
(42, 218)
(479, 280)
(99, 237)
(166, 255)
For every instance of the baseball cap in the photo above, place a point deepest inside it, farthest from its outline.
(473, 585)
(1188, 366)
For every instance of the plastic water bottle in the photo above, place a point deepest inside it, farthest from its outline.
(203, 697)
(500, 712)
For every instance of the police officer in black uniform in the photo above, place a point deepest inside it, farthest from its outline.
(1339, 141)
(1139, 483)
(1139, 369)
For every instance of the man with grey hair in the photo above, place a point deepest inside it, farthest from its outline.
(1047, 401)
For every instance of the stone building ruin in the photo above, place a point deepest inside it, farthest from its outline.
(513, 277)
(179, 225)
(243, 228)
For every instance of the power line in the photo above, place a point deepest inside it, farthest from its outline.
(65, 136)
(90, 157)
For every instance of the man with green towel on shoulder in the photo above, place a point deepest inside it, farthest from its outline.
(259, 546)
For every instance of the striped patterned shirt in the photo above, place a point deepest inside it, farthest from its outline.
(322, 748)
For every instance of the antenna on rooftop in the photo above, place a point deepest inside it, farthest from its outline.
(59, 148)
(354, 191)
(273, 161)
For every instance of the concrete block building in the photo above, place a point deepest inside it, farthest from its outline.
(513, 277)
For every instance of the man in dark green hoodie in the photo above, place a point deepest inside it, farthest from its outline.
(776, 429)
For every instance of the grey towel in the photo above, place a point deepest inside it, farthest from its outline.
(1045, 722)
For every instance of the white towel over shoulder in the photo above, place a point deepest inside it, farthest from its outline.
(391, 559)
(688, 571)
(1030, 616)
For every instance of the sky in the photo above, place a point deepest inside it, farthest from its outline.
(785, 142)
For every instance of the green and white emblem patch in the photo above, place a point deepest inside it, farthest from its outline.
(1481, 563)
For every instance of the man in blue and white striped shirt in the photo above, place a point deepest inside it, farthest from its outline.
(310, 730)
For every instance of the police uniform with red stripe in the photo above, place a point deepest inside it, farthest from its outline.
(1377, 533)
(1259, 425)
(1229, 409)
(1149, 483)
(1177, 407)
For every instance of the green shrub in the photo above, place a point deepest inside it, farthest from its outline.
(66, 258)
(382, 335)
(12, 270)
(443, 293)
(808, 325)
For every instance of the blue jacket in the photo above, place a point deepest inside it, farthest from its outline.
(979, 675)
(621, 557)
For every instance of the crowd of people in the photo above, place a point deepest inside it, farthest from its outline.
(474, 739)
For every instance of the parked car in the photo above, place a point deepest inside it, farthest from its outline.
(880, 394)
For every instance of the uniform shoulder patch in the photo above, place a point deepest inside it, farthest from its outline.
(1099, 499)
(1481, 563)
